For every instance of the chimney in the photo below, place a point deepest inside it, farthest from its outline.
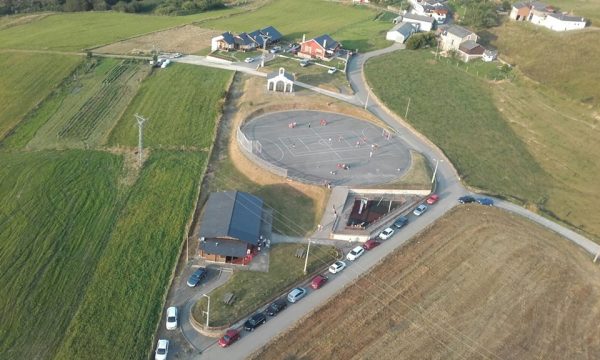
(303, 37)
(325, 44)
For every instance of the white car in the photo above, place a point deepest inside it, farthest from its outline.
(337, 266)
(172, 318)
(248, 60)
(420, 210)
(162, 349)
(386, 234)
(331, 70)
(355, 253)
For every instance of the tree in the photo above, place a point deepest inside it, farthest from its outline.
(421, 40)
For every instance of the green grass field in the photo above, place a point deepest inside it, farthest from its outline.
(181, 102)
(57, 210)
(78, 31)
(354, 26)
(120, 309)
(284, 270)
(457, 112)
(566, 62)
(26, 80)
(84, 109)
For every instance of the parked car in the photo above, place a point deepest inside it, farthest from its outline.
(337, 266)
(432, 199)
(400, 222)
(420, 210)
(255, 321)
(331, 70)
(370, 244)
(355, 253)
(172, 318)
(466, 199)
(304, 62)
(248, 60)
(276, 307)
(231, 336)
(196, 277)
(296, 294)
(386, 234)
(318, 281)
(485, 201)
(177, 55)
(162, 349)
(275, 49)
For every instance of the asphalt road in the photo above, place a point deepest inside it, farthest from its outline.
(448, 187)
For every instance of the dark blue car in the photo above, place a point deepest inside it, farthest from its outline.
(485, 201)
(195, 278)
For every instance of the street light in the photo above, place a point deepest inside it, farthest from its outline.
(265, 38)
(367, 101)
(207, 312)
(306, 260)
(435, 170)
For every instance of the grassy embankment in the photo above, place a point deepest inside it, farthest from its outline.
(254, 288)
(355, 27)
(514, 139)
(78, 31)
(22, 85)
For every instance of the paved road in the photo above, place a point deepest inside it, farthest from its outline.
(449, 188)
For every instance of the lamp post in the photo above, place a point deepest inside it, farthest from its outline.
(368, 94)
(435, 169)
(207, 312)
(265, 38)
(306, 260)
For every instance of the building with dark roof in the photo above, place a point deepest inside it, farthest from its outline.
(322, 47)
(541, 14)
(230, 226)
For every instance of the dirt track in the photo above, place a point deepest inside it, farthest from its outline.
(185, 39)
(480, 284)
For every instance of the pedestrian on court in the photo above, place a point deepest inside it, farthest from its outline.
(330, 140)
(370, 154)
(309, 124)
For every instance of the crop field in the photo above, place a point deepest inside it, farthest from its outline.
(462, 119)
(479, 284)
(30, 79)
(125, 293)
(252, 288)
(355, 27)
(84, 109)
(78, 31)
(53, 231)
(182, 103)
(574, 73)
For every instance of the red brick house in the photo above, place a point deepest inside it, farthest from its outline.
(322, 47)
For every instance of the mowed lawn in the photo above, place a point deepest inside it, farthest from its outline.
(479, 284)
(26, 80)
(353, 26)
(181, 103)
(57, 210)
(566, 62)
(457, 112)
(78, 31)
(120, 310)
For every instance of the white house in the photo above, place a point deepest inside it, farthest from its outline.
(425, 23)
(280, 81)
(562, 22)
(454, 35)
(401, 32)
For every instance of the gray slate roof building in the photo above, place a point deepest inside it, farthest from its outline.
(326, 42)
(417, 17)
(565, 17)
(459, 31)
(232, 215)
(275, 74)
(228, 38)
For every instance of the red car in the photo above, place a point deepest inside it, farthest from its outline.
(432, 199)
(370, 244)
(231, 336)
(318, 281)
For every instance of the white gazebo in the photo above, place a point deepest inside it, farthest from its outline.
(280, 81)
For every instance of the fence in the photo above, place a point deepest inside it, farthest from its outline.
(252, 149)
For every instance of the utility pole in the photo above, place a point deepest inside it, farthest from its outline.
(265, 38)
(435, 170)
(306, 260)
(207, 309)
(407, 106)
(140, 120)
